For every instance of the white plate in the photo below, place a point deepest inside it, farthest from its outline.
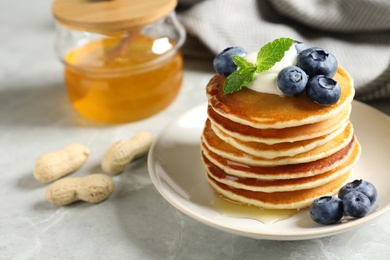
(177, 172)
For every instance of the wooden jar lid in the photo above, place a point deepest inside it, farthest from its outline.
(110, 15)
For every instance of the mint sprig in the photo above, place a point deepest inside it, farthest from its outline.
(268, 55)
(241, 77)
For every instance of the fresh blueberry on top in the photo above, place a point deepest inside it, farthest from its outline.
(326, 210)
(317, 61)
(356, 204)
(299, 46)
(223, 62)
(362, 186)
(292, 81)
(323, 90)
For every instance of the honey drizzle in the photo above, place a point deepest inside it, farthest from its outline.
(266, 216)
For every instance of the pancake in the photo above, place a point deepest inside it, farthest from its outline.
(253, 184)
(224, 149)
(283, 171)
(278, 200)
(277, 152)
(271, 151)
(261, 110)
(273, 136)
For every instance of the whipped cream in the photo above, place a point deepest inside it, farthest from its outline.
(265, 81)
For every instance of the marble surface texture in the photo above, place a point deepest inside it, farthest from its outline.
(135, 222)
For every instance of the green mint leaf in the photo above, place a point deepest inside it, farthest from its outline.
(271, 53)
(241, 62)
(238, 79)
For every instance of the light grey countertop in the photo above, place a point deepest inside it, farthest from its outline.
(135, 222)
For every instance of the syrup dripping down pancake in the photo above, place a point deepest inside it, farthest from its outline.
(278, 200)
(289, 171)
(271, 151)
(273, 136)
(224, 149)
(261, 110)
(286, 184)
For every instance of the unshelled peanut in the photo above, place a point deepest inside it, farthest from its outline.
(122, 152)
(54, 165)
(93, 188)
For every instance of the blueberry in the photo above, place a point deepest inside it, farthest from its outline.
(299, 46)
(323, 90)
(362, 186)
(317, 61)
(326, 210)
(292, 81)
(223, 62)
(356, 204)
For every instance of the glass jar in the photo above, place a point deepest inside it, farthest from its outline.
(121, 57)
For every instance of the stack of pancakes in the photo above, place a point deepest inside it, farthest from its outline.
(277, 152)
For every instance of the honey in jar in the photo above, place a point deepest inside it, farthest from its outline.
(124, 69)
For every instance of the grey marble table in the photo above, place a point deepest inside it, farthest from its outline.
(135, 222)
